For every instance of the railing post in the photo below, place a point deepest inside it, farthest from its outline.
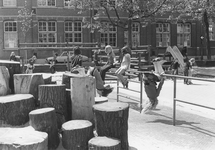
(141, 91)
(117, 91)
(174, 101)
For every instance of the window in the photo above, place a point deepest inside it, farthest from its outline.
(47, 32)
(9, 3)
(162, 34)
(109, 36)
(211, 30)
(46, 3)
(10, 34)
(73, 31)
(135, 35)
(183, 34)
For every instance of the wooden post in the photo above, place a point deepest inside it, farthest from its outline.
(82, 97)
(104, 143)
(4, 81)
(14, 108)
(111, 120)
(53, 95)
(28, 84)
(23, 139)
(76, 134)
(45, 120)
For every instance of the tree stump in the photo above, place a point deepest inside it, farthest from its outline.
(28, 84)
(76, 134)
(111, 120)
(45, 120)
(23, 139)
(14, 109)
(104, 143)
(82, 97)
(99, 100)
(4, 81)
(53, 95)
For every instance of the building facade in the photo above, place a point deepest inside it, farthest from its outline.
(54, 22)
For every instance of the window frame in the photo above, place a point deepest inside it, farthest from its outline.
(4, 5)
(184, 34)
(107, 34)
(73, 32)
(47, 31)
(211, 29)
(42, 6)
(11, 32)
(163, 35)
(135, 33)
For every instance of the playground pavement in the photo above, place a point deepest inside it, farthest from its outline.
(194, 128)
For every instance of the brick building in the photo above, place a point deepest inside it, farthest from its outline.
(53, 22)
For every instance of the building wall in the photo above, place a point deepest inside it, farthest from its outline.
(61, 14)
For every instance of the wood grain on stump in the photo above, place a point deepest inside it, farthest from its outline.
(14, 109)
(4, 81)
(45, 120)
(76, 134)
(104, 143)
(99, 100)
(28, 84)
(111, 120)
(53, 95)
(23, 139)
(82, 97)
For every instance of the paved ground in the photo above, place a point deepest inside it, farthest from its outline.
(194, 128)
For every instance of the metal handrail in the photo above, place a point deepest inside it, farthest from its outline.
(177, 100)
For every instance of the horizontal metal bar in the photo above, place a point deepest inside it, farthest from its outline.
(58, 43)
(194, 104)
(51, 48)
(128, 98)
(186, 77)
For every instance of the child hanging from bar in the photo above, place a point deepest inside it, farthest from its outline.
(150, 80)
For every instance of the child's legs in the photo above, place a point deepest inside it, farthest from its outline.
(119, 73)
(99, 81)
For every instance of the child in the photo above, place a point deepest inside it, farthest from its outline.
(175, 65)
(110, 63)
(125, 65)
(152, 91)
(30, 65)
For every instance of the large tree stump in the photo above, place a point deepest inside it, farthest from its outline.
(82, 97)
(104, 143)
(4, 81)
(111, 120)
(23, 139)
(28, 84)
(53, 95)
(76, 134)
(45, 120)
(14, 109)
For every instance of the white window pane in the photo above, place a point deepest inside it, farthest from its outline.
(10, 40)
(9, 3)
(51, 2)
(41, 3)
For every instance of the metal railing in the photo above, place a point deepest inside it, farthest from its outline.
(177, 100)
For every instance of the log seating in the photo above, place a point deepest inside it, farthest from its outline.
(76, 134)
(104, 143)
(45, 120)
(4, 81)
(14, 109)
(53, 95)
(23, 139)
(111, 120)
(28, 84)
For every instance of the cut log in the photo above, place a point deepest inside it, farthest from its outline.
(53, 95)
(28, 84)
(76, 134)
(99, 100)
(45, 120)
(66, 78)
(82, 97)
(111, 120)
(23, 139)
(4, 81)
(104, 143)
(14, 109)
